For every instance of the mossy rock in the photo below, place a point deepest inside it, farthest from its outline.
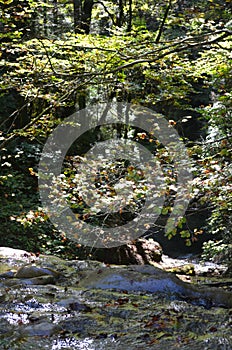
(183, 270)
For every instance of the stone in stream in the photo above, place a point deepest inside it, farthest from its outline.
(31, 271)
(151, 279)
(42, 329)
(30, 275)
(90, 274)
(40, 280)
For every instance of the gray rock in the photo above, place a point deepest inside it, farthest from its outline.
(43, 329)
(41, 280)
(31, 271)
(154, 280)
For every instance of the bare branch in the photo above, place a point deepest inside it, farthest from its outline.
(48, 57)
(107, 11)
(175, 50)
(161, 28)
(47, 109)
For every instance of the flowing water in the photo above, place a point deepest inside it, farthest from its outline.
(58, 311)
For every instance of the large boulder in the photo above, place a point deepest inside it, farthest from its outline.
(154, 280)
(139, 252)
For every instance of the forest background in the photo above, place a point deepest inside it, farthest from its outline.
(60, 56)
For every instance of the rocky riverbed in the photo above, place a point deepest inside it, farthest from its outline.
(50, 303)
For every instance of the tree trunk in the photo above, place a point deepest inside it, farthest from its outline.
(129, 25)
(119, 19)
(45, 21)
(77, 15)
(86, 15)
(55, 14)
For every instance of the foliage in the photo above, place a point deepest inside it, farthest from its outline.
(174, 59)
(212, 250)
(215, 172)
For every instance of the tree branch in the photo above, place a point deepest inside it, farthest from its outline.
(48, 57)
(161, 28)
(107, 11)
(183, 45)
(175, 50)
(47, 109)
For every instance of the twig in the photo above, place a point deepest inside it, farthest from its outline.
(48, 57)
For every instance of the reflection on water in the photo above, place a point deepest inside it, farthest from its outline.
(84, 344)
(72, 343)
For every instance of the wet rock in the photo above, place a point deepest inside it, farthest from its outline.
(41, 280)
(82, 325)
(8, 274)
(74, 305)
(29, 275)
(5, 328)
(44, 329)
(3, 297)
(151, 279)
(11, 259)
(145, 279)
(31, 271)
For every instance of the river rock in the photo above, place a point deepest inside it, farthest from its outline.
(44, 329)
(40, 280)
(137, 278)
(151, 279)
(31, 271)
